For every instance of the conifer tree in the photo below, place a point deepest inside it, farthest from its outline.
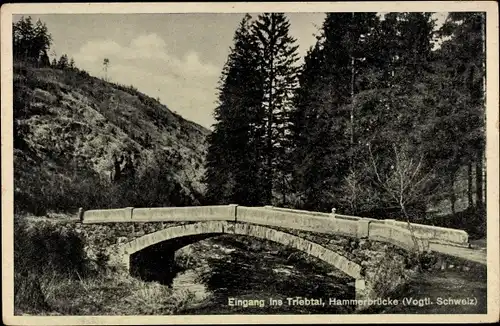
(335, 70)
(460, 72)
(278, 68)
(400, 110)
(31, 42)
(252, 134)
(234, 154)
(63, 62)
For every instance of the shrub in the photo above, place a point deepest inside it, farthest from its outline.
(40, 190)
(45, 248)
(28, 295)
(53, 274)
(40, 252)
(385, 283)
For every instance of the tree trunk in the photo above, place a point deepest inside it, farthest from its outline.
(453, 197)
(484, 179)
(283, 190)
(352, 101)
(351, 159)
(269, 176)
(469, 186)
(479, 178)
(410, 228)
(483, 100)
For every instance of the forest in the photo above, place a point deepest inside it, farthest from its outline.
(384, 118)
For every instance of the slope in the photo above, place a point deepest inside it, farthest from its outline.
(80, 141)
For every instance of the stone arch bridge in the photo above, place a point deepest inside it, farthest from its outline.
(333, 238)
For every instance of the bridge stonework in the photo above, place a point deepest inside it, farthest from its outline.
(356, 246)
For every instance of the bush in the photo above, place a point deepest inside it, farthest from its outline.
(45, 248)
(28, 295)
(41, 252)
(53, 275)
(385, 283)
(39, 190)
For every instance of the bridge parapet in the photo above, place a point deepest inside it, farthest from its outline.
(396, 232)
(107, 215)
(161, 214)
(295, 219)
(432, 233)
(435, 233)
(397, 236)
(362, 228)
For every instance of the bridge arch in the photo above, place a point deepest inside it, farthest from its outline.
(195, 230)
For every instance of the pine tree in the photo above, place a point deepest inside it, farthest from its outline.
(314, 136)
(353, 94)
(23, 35)
(41, 43)
(279, 69)
(234, 155)
(31, 42)
(105, 64)
(63, 62)
(460, 63)
(335, 70)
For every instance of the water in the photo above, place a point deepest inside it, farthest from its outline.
(223, 270)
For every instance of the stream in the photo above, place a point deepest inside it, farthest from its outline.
(231, 274)
(239, 275)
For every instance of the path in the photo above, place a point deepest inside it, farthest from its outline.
(448, 284)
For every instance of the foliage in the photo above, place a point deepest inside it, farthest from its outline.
(324, 141)
(371, 87)
(68, 125)
(39, 252)
(313, 137)
(277, 52)
(105, 64)
(64, 147)
(249, 148)
(460, 65)
(31, 42)
(386, 86)
(233, 160)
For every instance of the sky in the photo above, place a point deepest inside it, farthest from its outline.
(177, 58)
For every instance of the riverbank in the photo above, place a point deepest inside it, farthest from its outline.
(447, 292)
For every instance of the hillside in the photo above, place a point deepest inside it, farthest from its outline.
(74, 132)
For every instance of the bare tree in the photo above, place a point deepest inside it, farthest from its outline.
(106, 65)
(351, 189)
(405, 182)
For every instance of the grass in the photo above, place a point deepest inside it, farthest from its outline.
(105, 294)
(54, 276)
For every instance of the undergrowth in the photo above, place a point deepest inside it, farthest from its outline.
(53, 276)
